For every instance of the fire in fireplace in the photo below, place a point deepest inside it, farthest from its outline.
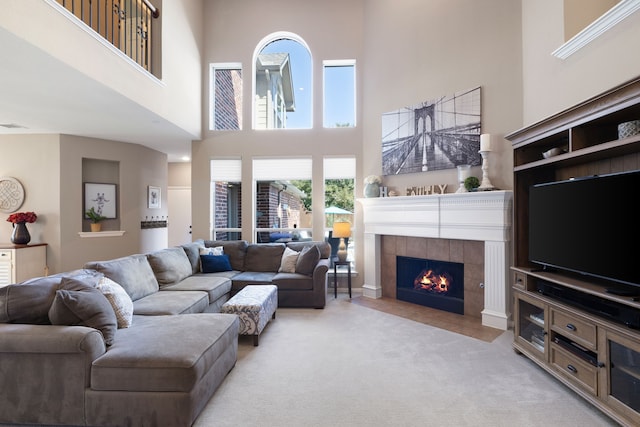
(432, 283)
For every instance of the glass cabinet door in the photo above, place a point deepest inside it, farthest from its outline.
(530, 326)
(623, 372)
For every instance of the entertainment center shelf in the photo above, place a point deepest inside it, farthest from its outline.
(578, 284)
(571, 325)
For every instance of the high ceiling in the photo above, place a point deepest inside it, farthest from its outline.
(39, 94)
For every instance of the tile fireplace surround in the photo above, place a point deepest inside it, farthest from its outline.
(483, 216)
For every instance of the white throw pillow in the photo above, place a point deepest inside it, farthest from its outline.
(119, 299)
(218, 250)
(289, 260)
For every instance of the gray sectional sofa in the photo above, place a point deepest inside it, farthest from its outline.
(260, 263)
(137, 340)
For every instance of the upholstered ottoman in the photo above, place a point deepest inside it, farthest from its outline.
(254, 305)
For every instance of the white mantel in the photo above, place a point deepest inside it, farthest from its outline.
(483, 216)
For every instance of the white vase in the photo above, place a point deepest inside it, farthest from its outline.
(372, 190)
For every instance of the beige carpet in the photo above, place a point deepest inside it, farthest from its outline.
(349, 365)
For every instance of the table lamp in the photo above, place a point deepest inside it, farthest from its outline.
(341, 230)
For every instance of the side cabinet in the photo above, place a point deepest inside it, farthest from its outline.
(19, 263)
(597, 358)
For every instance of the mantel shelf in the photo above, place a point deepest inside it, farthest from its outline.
(116, 233)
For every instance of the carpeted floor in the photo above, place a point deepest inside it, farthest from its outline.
(350, 365)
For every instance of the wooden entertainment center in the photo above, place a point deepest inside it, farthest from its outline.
(596, 356)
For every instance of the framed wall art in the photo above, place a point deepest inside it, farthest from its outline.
(154, 197)
(102, 198)
(439, 133)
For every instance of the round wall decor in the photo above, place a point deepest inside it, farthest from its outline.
(11, 194)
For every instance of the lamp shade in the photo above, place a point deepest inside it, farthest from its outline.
(341, 229)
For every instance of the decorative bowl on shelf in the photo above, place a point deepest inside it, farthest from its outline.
(552, 152)
(628, 129)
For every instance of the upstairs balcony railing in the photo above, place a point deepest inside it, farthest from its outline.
(127, 24)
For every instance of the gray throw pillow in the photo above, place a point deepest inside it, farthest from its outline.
(263, 257)
(133, 273)
(170, 265)
(86, 307)
(307, 260)
(28, 302)
(192, 250)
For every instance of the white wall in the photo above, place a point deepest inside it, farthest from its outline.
(416, 51)
(176, 98)
(550, 84)
(50, 169)
(34, 160)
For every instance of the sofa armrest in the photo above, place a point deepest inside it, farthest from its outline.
(49, 339)
(320, 282)
(43, 368)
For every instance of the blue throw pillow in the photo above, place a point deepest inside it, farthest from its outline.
(215, 263)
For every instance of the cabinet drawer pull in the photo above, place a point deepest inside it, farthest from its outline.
(571, 327)
(572, 369)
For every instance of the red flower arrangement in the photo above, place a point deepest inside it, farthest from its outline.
(22, 217)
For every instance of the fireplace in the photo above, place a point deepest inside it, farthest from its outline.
(431, 283)
(482, 217)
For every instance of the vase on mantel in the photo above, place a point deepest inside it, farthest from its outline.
(20, 234)
(372, 190)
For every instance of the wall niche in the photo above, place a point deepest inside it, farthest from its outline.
(98, 171)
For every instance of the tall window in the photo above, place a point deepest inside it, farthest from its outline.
(339, 198)
(281, 187)
(226, 196)
(225, 111)
(339, 93)
(282, 84)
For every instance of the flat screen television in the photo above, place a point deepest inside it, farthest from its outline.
(589, 226)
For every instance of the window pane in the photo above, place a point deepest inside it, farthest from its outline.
(283, 86)
(226, 207)
(226, 103)
(281, 215)
(339, 94)
(283, 198)
(339, 199)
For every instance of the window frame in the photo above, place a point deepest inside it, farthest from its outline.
(213, 67)
(275, 36)
(329, 63)
(213, 230)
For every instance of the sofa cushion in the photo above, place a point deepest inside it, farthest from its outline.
(163, 303)
(192, 250)
(324, 247)
(215, 263)
(245, 278)
(236, 249)
(84, 307)
(119, 299)
(289, 260)
(263, 257)
(170, 265)
(293, 281)
(133, 273)
(214, 286)
(146, 358)
(307, 260)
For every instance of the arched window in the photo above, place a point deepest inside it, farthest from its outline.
(282, 83)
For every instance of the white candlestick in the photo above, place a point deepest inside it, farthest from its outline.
(485, 184)
(485, 142)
